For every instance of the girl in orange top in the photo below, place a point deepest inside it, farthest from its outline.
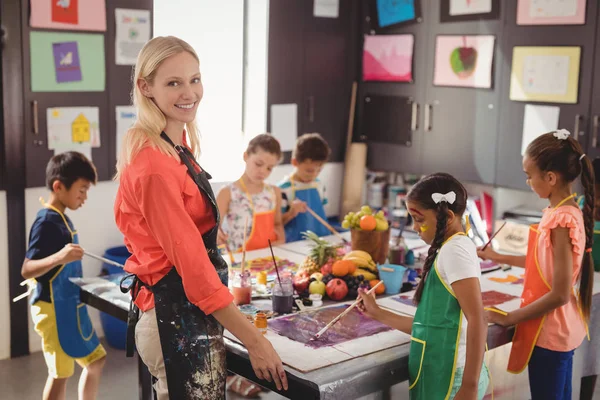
(250, 198)
(167, 212)
(556, 299)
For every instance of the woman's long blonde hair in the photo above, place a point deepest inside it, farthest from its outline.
(150, 120)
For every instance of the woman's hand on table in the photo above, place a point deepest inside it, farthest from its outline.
(266, 363)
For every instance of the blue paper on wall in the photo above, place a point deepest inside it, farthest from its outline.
(392, 12)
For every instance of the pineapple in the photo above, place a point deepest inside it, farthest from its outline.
(321, 253)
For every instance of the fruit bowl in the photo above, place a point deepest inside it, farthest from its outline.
(376, 243)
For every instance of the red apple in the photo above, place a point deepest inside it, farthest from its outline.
(301, 281)
(327, 269)
(337, 289)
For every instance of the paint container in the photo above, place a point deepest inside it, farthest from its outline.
(317, 299)
(283, 294)
(260, 322)
(241, 288)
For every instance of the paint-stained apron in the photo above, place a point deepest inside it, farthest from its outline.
(191, 341)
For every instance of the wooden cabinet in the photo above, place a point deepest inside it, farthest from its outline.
(509, 170)
(311, 63)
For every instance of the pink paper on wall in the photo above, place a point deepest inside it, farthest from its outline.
(91, 14)
(388, 58)
(551, 12)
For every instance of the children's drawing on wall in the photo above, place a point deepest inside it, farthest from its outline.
(73, 128)
(464, 61)
(66, 62)
(392, 12)
(133, 31)
(126, 116)
(87, 15)
(65, 11)
(388, 58)
(468, 7)
(551, 12)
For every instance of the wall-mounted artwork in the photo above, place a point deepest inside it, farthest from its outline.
(468, 10)
(391, 13)
(551, 12)
(547, 74)
(388, 58)
(464, 61)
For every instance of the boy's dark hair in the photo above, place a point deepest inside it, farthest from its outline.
(68, 167)
(311, 146)
(421, 193)
(266, 142)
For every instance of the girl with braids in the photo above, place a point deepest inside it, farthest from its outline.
(449, 330)
(556, 299)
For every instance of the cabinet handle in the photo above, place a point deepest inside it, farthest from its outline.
(595, 132)
(311, 108)
(578, 118)
(414, 117)
(427, 117)
(36, 121)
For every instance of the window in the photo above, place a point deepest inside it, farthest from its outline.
(216, 30)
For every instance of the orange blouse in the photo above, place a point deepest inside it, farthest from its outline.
(163, 215)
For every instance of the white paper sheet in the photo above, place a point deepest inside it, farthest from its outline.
(326, 8)
(125, 116)
(133, 31)
(546, 74)
(284, 125)
(71, 127)
(537, 121)
(466, 7)
(552, 8)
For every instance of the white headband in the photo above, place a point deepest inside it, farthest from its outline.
(562, 134)
(449, 197)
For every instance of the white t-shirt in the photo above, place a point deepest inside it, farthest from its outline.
(457, 260)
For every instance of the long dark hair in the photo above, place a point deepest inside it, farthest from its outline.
(421, 194)
(564, 157)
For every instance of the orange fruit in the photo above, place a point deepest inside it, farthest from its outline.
(380, 289)
(368, 223)
(342, 268)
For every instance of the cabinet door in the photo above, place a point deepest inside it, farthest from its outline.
(396, 157)
(286, 57)
(460, 123)
(329, 63)
(509, 170)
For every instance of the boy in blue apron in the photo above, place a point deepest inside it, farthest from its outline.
(53, 257)
(302, 189)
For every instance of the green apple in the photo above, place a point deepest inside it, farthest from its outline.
(317, 287)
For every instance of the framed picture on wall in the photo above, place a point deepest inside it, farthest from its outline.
(388, 58)
(464, 61)
(468, 10)
(545, 74)
(551, 12)
(389, 14)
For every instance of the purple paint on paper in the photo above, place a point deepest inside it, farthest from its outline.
(66, 62)
(303, 326)
(406, 300)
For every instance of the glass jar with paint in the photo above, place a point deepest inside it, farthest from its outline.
(241, 288)
(283, 294)
(260, 322)
(397, 251)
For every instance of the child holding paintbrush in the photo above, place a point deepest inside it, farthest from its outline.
(449, 330)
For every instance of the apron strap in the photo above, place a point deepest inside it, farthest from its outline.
(133, 314)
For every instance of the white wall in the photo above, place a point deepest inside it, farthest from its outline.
(97, 232)
(4, 285)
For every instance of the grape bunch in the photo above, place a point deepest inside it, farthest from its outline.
(352, 219)
(354, 283)
(327, 278)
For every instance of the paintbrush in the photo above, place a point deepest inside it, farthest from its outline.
(336, 319)
(105, 260)
(275, 263)
(493, 236)
(244, 246)
(326, 224)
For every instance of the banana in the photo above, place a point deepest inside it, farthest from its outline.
(359, 254)
(368, 275)
(360, 262)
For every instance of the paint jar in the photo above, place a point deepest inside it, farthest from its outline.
(397, 251)
(260, 322)
(283, 294)
(241, 288)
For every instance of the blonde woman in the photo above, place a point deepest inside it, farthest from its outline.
(166, 209)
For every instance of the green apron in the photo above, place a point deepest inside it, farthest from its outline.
(435, 335)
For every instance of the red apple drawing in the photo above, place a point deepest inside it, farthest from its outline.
(337, 289)
(463, 60)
